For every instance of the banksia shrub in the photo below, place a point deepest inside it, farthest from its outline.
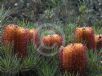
(8, 34)
(21, 41)
(73, 58)
(86, 36)
(98, 41)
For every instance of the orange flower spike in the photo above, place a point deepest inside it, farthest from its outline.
(21, 42)
(90, 38)
(86, 36)
(54, 39)
(74, 58)
(47, 40)
(78, 34)
(8, 33)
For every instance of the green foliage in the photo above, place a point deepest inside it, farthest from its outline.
(3, 14)
(31, 60)
(26, 24)
(69, 32)
(8, 62)
(83, 9)
(94, 67)
(48, 69)
(98, 27)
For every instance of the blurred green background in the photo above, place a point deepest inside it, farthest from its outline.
(83, 12)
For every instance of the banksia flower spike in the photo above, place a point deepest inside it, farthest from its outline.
(85, 35)
(8, 34)
(51, 40)
(21, 42)
(73, 58)
(47, 40)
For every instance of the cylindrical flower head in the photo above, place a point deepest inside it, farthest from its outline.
(8, 34)
(21, 42)
(51, 40)
(85, 35)
(73, 58)
(47, 40)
